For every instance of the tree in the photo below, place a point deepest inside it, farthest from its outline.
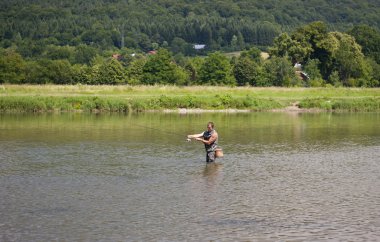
(111, 72)
(246, 71)
(253, 53)
(135, 71)
(193, 67)
(60, 72)
(84, 54)
(234, 43)
(216, 70)
(375, 78)
(285, 46)
(240, 41)
(82, 74)
(159, 69)
(54, 52)
(279, 72)
(334, 79)
(312, 69)
(348, 58)
(11, 67)
(369, 39)
(178, 45)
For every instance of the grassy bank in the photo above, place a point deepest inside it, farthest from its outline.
(53, 98)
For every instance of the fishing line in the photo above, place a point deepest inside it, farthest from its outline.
(160, 130)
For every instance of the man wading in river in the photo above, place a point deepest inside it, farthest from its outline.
(210, 139)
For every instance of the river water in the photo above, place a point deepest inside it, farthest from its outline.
(284, 177)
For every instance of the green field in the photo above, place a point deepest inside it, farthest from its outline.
(71, 98)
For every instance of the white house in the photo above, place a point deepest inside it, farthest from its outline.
(199, 47)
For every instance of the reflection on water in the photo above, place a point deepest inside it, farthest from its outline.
(212, 172)
(284, 177)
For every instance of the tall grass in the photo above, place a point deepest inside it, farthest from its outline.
(204, 91)
(82, 98)
(62, 104)
(115, 104)
(351, 105)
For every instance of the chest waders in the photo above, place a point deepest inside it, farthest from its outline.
(210, 149)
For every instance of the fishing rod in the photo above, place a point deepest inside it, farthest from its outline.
(162, 131)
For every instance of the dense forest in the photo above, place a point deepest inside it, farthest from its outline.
(56, 41)
(147, 24)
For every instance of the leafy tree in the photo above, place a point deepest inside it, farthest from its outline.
(246, 71)
(60, 72)
(159, 69)
(240, 41)
(54, 52)
(135, 71)
(178, 45)
(312, 69)
(111, 72)
(334, 79)
(193, 67)
(11, 67)
(369, 39)
(30, 48)
(82, 74)
(253, 53)
(234, 42)
(279, 72)
(375, 77)
(46, 71)
(84, 54)
(285, 46)
(181, 76)
(348, 58)
(216, 70)
(310, 36)
(34, 73)
(334, 51)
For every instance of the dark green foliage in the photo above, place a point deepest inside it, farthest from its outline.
(375, 79)
(225, 25)
(111, 72)
(279, 72)
(247, 72)
(253, 53)
(12, 67)
(324, 53)
(101, 42)
(160, 69)
(369, 38)
(312, 69)
(216, 70)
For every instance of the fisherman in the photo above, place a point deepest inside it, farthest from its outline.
(210, 139)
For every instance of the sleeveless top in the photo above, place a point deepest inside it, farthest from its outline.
(206, 136)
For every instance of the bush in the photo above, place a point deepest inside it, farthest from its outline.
(317, 83)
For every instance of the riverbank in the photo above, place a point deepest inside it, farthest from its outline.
(82, 98)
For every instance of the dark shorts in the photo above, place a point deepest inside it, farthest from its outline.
(210, 156)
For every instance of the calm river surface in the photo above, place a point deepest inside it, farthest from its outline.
(284, 177)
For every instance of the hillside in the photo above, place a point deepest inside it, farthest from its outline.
(177, 24)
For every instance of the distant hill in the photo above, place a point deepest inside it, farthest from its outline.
(228, 25)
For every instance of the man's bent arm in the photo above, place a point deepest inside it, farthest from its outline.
(212, 139)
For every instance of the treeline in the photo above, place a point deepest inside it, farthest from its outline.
(323, 58)
(33, 27)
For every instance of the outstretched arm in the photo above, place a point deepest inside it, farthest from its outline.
(194, 136)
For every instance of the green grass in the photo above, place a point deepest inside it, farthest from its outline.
(72, 98)
(350, 105)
